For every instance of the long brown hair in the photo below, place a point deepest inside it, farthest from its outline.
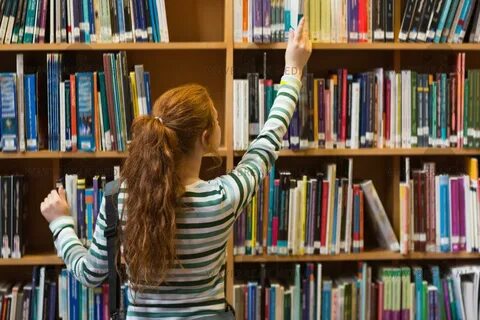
(179, 118)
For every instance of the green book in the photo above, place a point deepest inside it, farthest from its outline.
(30, 21)
(425, 300)
(405, 274)
(468, 138)
(476, 109)
(414, 139)
(105, 117)
(433, 113)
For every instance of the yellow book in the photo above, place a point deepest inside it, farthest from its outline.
(133, 86)
(303, 213)
(318, 13)
(312, 18)
(404, 216)
(325, 21)
(331, 176)
(315, 112)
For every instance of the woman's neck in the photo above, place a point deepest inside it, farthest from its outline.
(189, 167)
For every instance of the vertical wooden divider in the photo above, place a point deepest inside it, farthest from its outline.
(228, 36)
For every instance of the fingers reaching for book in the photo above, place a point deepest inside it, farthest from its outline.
(55, 205)
(299, 49)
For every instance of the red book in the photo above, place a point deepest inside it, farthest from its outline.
(267, 303)
(430, 206)
(106, 302)
(380, 301)
(73, 111)
(362, 20)
(323, 232)
(343, 133)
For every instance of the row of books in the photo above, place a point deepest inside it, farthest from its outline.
(12, 216)
(323, 214)
(377, 109)
(86, 111)
(442, 21)
(88, 21)
(440, 212)
(396, 293)
(55, 296)
(336, 21)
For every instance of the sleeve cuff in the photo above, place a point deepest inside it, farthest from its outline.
(293, 81)
(60, 223)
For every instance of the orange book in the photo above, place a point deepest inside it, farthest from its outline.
(73, 111)
(245, 21)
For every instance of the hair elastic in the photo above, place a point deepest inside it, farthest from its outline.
(159, 119)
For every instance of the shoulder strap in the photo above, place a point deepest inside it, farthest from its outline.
(111, 210)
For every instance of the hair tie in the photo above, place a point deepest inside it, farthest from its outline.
(159, 119)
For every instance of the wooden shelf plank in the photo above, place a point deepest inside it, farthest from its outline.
(115, 46)
(74, 155)
(33, 260)
(376, 255)
(375, 152)
(366, 46)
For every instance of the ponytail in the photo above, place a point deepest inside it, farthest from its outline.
(154, 188)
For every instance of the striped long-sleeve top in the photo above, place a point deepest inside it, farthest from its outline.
(194, 288)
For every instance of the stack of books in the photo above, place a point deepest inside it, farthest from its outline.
(12, 216)
(397, 293)
(323, 214)
(86, 111)
(331, 21)
(445, 21)
(87, 21)
(377, 109)
(440, 212)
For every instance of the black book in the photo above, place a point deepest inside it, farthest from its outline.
(128, 21)
(253, 105)
(417, 19)
(389, 16)
(437, 12)
(310, 116)
(63, 23)
(81, 22)
(303, 113)
(425, 21)
(426, 110)
(21, 30)
(114, 20)
(473, 25)
(371, 111)
(4, 19)
(407, 19)
(285, 203)
(148, 21)
(338, 111)
(264, 284)
(7, 216)
(12, 16)
(17, 243)
(349, 111)
(378, 16)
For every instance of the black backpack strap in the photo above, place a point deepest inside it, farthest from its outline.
(111, 211)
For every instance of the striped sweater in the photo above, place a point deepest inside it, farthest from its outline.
(194, 289)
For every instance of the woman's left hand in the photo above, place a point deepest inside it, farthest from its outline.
(55, 205)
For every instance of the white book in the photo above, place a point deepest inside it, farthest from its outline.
(404, 109)
(338, 224)
(69, 21)
(468, 217)
(140, 80)
(298, 226)
(3, 28)
(379, 79)
(21, 103)
(319, 291)
(238, 20)
(62, 118)
(393, 108)
(291, 220)
(250, 21)
(236, 114)
(334, 21)
(164, 29)
(58, 24)
(294, 11)
(11, 22)
(261, 103)
(71, 192)
(355, 115)
(54, 14)
(41, 293)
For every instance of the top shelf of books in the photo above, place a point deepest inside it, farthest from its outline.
(114, 46)
(387, 46)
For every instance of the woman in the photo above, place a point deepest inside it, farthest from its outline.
(175, 235)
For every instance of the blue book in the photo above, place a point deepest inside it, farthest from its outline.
(442, 20)
(463, 16)
(74, 302)
(326, 300)
(85, 26)
(294, 130)
(147, 92)
(85, 110)
(449, 21)
(89, 212)
(8, 107)
(356, 220)
(154, 19)
(444, 214)
(91, 20)
(271, 306)
(143, 23)
(437, 282)
(68, 117)
(252, 290)
(98, 312)
(52, 300)
(443, 113)
(418, 279)
(81, 209)
(287, 19)
(121, 19)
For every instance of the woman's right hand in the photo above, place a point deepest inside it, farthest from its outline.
(299, 49)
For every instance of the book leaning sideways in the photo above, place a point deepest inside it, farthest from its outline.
(378, 217)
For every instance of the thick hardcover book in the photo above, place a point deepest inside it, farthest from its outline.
(407, 19)
(9, 120)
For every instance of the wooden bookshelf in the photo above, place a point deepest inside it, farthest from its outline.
(376, 255)
(202, 50)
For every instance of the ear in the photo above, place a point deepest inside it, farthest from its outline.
(205, 140)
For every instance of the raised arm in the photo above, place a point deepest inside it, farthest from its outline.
(241, 184)
(89, 266)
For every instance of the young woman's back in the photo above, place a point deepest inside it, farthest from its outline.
(175, 226)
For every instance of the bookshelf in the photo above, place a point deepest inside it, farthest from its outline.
(202, 50)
